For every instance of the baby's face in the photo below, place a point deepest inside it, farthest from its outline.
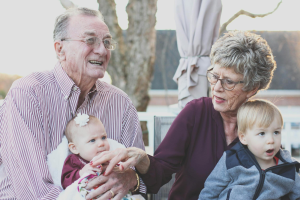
(91, 140)
(264, 143)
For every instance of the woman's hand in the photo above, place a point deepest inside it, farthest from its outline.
(129, 157)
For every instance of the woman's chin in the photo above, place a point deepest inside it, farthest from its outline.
(219, 106)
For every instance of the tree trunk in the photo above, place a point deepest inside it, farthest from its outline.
(131, 64)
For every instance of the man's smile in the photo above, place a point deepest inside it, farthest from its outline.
(95, 62)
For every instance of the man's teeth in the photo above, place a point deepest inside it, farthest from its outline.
(96, 62)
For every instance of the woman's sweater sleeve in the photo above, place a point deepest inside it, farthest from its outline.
(169, 156)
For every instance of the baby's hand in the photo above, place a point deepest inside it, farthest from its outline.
(88, 169)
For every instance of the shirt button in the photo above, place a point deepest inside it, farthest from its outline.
(66, 97)
(74, 88)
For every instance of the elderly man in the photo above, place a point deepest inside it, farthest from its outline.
(37, 108)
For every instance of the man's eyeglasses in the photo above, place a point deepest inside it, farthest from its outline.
(226, 83)
(95, 42)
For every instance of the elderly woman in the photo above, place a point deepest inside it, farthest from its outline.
(242, 64)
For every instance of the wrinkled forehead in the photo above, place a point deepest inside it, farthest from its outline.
(225, 72)
(83, 26)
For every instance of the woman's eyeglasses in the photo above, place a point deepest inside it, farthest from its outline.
(227, 84)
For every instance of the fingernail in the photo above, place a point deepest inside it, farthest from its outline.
(91, 163)
(122, 167)
(103, 173)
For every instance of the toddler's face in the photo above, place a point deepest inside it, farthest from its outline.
(90, 140)
(264, 143)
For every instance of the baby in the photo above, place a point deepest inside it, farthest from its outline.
(256, 167)
(87, 138)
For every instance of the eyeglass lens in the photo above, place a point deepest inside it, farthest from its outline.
(226, 84)
(95, 42)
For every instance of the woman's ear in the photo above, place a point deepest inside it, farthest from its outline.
(58, 46)
(242, 138)
(73, 148)
(252, 92)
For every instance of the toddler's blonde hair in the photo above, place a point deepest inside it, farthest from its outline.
(256, 112)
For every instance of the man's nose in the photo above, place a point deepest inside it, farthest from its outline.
(100, 49)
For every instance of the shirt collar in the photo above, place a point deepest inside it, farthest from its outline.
(66, 83)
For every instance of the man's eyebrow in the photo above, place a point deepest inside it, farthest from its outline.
(93, 33)
(107, 35)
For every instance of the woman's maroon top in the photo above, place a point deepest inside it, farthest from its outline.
(191, 149)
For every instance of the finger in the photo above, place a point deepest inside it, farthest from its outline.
(111, 166)
(101, 190)
(96, 169)
(88, 172)
(105, 196)
(117, 170)
(126, 165)
(99, 180)
(93, 194)
(103, 157)
(114, 161)
(118, 196)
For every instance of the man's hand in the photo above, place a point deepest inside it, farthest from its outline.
(88, 169)
(118, 182)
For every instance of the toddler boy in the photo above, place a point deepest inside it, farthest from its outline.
(256, 167)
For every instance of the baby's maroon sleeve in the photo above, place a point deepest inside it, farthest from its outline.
(70, 171)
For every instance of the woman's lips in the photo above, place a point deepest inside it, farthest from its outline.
(218, 99)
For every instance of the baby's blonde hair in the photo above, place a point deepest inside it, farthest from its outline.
(71, 124)
(260, 112)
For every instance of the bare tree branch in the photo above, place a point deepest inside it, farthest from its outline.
(67, 4)
(243, 12)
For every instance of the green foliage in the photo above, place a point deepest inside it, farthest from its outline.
(6, 81)
(2, 94)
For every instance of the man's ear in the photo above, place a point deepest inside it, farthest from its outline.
(242, 138)
(58, 46)
(73, 148)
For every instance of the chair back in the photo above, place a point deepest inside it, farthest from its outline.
(161, 127)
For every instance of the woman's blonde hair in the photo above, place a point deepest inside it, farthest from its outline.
(256, 112)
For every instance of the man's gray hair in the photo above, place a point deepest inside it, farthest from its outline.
(62, 21)
(248, 54)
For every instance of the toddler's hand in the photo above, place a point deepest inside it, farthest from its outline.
(88, 169)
